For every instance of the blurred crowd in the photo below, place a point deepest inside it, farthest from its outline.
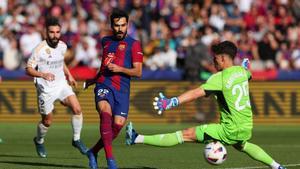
(175, 34)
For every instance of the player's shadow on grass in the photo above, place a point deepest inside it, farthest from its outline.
(26, 156)
(10, 155)
(41, 164)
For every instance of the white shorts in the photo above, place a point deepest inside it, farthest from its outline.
(46, 98)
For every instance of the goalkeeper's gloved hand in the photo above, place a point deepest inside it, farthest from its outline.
(245, 63)
(162, 103)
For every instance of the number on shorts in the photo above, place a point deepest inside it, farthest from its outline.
(42, 105)
(102, 92)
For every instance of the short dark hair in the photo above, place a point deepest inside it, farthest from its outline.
(225, 47)
(117, 13)
(52, 21)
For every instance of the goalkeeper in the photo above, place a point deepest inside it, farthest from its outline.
(230, 88)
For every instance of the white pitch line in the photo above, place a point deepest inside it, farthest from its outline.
(259, 167)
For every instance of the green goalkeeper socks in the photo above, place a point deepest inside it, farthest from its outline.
(164, 140)
(257, 153)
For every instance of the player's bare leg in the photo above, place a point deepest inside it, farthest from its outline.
(42, 129)
(77, 120)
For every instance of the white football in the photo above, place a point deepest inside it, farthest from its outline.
(215, 153)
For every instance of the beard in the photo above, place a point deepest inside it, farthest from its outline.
(52, 42)
(120, 35)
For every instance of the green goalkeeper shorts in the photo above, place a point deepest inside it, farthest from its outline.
(210, 132)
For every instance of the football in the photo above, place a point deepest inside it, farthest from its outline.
(215, 153)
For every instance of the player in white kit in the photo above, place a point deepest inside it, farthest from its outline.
(51, 77)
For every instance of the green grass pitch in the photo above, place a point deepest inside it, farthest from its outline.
(17, 150)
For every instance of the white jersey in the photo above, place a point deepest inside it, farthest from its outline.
(49, 60)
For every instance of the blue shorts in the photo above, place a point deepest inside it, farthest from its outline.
(118, 101)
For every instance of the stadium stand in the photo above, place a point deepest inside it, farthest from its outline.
(181, 31)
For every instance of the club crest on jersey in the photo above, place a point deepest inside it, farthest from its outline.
(109, 59)
(121, 46)
(48, 51)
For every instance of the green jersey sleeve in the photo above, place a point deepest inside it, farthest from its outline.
(213, 84)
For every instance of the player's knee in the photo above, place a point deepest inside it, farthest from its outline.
(103, 106)
(120, 121)
(47, 122)
(77, 110)
(239, 146)
(189, 134)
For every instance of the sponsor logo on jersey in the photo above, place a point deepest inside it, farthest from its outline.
(109, 59)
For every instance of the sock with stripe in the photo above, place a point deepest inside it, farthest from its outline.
(163, 140)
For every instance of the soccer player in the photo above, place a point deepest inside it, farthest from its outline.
(230, 87)
(51, 77)
(121, 59)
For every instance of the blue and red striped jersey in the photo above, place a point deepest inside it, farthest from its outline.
(122, 53)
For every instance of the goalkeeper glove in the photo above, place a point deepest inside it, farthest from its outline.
(162, 103)
(245, 63)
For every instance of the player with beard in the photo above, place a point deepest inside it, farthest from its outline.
(51, 77)
(121, 59)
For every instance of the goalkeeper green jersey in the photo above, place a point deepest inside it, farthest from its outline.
(230, 88)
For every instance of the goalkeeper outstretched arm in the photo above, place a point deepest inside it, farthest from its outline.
(162, 103)
(191, 95)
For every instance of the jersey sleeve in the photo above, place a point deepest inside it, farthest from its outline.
(213, 84)
(32, 61)
(137, 53)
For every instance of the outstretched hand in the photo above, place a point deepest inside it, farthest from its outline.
(246, 63)
(162, 103)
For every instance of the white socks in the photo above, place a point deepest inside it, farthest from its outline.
(139, 139)
(275, 165)
(77, 126)
(41, 133)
